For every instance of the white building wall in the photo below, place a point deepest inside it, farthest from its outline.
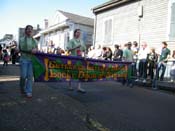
(124, 24)
(154, 22)
(152, 27)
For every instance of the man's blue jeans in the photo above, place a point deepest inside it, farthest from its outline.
(26, 76)
(160, 66)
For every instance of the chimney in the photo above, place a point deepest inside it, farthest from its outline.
(46, 23)
(38, 27)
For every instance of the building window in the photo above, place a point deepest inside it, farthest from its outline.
(108, 31)
(89, 39)
(172, 24)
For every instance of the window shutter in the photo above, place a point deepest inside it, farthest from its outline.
(108, 31)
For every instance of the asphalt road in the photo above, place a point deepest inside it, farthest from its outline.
(113, 106)
(48, 110)
(121, 108)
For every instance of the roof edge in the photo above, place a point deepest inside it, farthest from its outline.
(110, 4)
(74, 14)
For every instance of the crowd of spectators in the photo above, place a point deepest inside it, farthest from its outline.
(147, 61)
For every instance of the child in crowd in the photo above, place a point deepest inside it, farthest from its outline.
(5, 57)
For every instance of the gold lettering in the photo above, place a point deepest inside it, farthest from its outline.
(87, 76)
(80, 67)
(46, 77)
(69, 62)
(81, 74)
(63, 75)
(100, 76)
(52, 74)
(94, 76)
(115, 76)
(52, 64)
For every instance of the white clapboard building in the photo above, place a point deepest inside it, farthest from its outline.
(59, 30)
(120, 21)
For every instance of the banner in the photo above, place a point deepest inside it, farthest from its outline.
(51, 68)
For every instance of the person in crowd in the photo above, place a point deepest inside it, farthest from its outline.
(164, 56)
(27, 47)
(152, 60)
(173, 55)
(142, 58)
(104, 53)
(13, 55)
(118, 53)
(8, 50)
(108, 55)
(0, 52)
(66, 53)
(6, 57)
(128, 57)
(91, 52)
(58, 51)
(127, 53)
(76, 47)
(172, 73)
(172, 70)
(98, 52)
(135, 50)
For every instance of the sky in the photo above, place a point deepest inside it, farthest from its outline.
(19, 13)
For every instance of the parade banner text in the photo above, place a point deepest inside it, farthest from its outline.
(50, 68)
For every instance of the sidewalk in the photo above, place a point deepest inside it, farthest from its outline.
(48, 110)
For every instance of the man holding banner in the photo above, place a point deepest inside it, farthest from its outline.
(76, 47)
(27, 47)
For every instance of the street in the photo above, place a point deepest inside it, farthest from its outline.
(122, 108)
(112, 106)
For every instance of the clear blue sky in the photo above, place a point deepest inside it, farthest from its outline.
(19, 13)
